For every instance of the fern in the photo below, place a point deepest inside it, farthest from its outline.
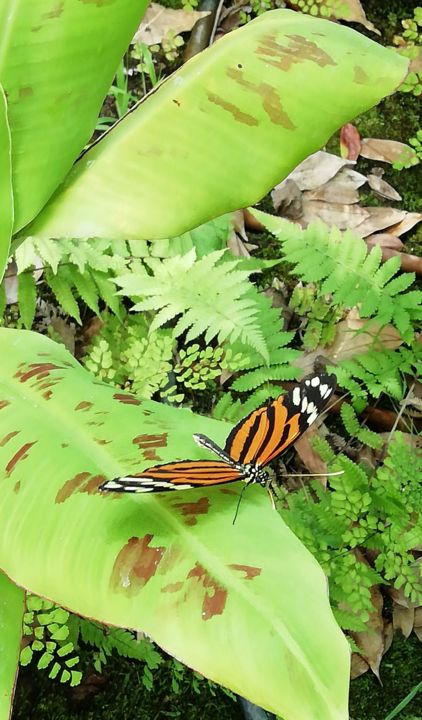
(210, 295)
(359, 512)
(379, 371)
(353, 427)
(46, 632)
(342, 266)
(27, 297)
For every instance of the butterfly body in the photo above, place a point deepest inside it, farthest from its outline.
(253, 443)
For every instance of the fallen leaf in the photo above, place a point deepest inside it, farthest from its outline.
(379, 218)
(409, 221)
(350, 340)
(385, 150)
(158, 21)
(310, 458)
(383, 188)
(358, 667)
(238, 239)
(343, 216)
(352, 11)
(337, 190)
(388, 635)
(371, 642)
(385, 240)
(66, 331)
(287, 199)
(403, 619)
(317, 169)
(349, 142)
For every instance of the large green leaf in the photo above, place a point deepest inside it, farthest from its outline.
(11, 618)
(6, 191)
(57, 61)
(244, 604)
(220, 132)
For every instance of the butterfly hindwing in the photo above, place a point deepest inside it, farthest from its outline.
(182, 475)
(271, 429)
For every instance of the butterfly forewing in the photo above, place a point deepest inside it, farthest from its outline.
(268, 431)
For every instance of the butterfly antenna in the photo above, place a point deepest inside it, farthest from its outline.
(327, 474)
(239, 501)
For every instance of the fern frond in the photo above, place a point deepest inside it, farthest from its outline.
(353, 427)
(210, 295)
(342, 265)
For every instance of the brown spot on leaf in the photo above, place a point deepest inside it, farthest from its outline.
(71, 486)
(17, 486)
(8, 437)
(47, 394)
(298, 50)
(151, 455)
(4, 403)
(101, 441)
(98, 3)
(146, 442)
(236, 112)
(147, 412)
(25, 91)
(55, 12)
(127, 399)
(227, 491)
(84, 405)
(271, 102)
(249, 570)
(64, 445)
(215, 595)
(172, 587)
(191, 509)
(91, 487)
(21, 454)
(360, 76)
(38, 370)
(176, 102)
(136, 564)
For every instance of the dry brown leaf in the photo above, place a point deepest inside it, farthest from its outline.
(352, 11)
(388, 635)
(334, 191)
(158, 21)
(383, 188)
(310, 458)
(238, 239)
(343, 216)
(371, 642)
(66, 331)
(409, 221)
(349, 341)
(418, 617)
(349, 142)
(358, 667)
(385, 150)
(379, 218)
(403, 619)
(287, 199)
(385, 240)
(317, 169)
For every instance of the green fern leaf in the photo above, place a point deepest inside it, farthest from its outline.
(210, 295)
(64, 295)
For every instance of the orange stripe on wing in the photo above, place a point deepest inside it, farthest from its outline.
(258, 438)
(239, 437)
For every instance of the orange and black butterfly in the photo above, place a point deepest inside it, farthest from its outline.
(256, 440)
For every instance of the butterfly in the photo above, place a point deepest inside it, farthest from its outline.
(254, 442)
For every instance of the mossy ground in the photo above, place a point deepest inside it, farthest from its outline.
(120, 693)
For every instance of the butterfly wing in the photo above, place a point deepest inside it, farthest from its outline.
(270, 429)
(182, 475)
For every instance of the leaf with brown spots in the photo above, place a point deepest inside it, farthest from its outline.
(172, 566)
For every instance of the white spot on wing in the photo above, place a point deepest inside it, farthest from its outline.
(296, 396)
(315, 381)
(328, 393)
(312, 408)
(312, 418)
(323, 389)
(304, 404)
